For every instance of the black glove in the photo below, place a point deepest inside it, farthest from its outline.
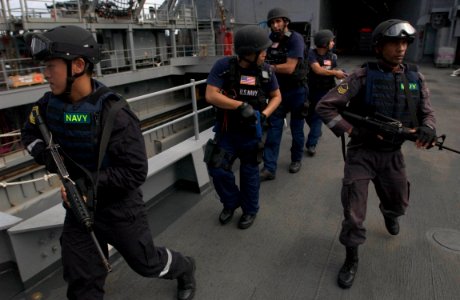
(247, 113)
(86, 189)
(43, 156)
(426, 135)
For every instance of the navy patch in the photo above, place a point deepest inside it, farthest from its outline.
(77, 118)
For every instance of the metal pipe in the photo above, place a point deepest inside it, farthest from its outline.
(79, 10)
(453, 22)
(98, 65)
(195, 110)
(4, 11)
(176, 120)
(131, 47)
(5, 74)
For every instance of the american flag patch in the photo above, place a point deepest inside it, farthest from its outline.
(247, 80)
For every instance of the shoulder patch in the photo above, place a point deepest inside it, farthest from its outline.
(342, 88)
(33, 113)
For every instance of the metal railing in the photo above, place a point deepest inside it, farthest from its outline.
(195, 112)
(24, 72)
(61, 11)
(120, 60)
(12, 139)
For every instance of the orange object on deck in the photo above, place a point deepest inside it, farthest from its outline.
(26, 80)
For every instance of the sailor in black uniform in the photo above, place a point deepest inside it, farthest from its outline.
(76, 112)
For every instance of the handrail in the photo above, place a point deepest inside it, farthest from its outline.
(165, 91)
(191, 85)
(195, 112)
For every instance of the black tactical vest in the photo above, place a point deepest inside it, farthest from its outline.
(321, 82)
(279, 55)
(77, 127)
(244, 85)
(384, 94)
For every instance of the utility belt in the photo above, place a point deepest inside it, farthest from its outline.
(232, 121)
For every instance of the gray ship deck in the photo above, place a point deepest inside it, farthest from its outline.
(292, 250)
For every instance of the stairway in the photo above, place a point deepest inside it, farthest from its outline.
(206, 38)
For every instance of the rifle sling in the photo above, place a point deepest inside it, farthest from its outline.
(106, 132)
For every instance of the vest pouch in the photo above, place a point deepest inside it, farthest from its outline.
(300, 73)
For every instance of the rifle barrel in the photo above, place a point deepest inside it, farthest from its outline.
(404, 131)
(442, 147)
(105, 262)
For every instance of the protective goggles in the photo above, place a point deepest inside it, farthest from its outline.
(399, 30)
(42, 48)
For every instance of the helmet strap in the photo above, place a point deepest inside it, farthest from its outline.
(71, 78)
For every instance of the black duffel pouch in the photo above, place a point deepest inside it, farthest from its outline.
(213, 154)
(209, 150)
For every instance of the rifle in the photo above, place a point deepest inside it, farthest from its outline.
(391, 127)
(76, 201)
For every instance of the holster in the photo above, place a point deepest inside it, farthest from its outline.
(260, 151)
(306, 111)
(209, 150)
(213, 154)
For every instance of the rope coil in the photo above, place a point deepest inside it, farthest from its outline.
(45, 177)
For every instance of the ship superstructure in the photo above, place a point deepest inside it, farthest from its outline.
(158, 55)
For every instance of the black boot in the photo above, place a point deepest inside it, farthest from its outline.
(392, 225)
(348, 271)
(391, 221)
(186, 284)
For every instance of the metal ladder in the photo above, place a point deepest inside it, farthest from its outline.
(206, 38)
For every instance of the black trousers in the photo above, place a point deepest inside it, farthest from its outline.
(125, 227)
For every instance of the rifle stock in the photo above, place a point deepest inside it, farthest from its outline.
(392, 127)
(77, 204)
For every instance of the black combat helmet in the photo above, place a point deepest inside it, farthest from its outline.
(277, 12)
(393, 29)
(323, 37)
(67, 42)
(251, 39)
